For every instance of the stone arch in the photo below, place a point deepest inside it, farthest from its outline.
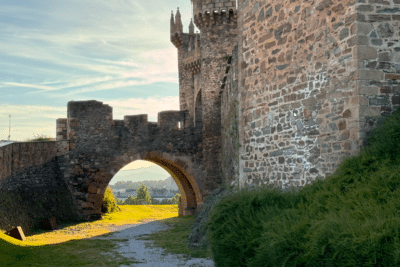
(178, 167)
(198, 111)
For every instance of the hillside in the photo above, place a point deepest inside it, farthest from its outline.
(168, 183)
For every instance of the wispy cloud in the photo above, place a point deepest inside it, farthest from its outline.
(41, 87)
(55, 51)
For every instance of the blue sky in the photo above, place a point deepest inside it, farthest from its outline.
(115, 51)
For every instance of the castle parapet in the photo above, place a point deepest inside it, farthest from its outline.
(92, 112)
(119, 123)
(137, 124)
(173, 119)
(194, 66)
(215, 13)
(62, 129)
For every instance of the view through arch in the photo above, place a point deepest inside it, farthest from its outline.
(158, 181)
(187, 186)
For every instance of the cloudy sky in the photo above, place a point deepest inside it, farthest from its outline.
(115, 51)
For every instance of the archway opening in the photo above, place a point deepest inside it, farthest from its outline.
(179, 168)
(159, 183)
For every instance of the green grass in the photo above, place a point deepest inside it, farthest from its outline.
(40, 138)
(71, 253)
(71, 244)
(351, 218)
(174, 240)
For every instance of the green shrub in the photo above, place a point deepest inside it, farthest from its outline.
(119, 201)
(175, 199)
(40, 138)
(350, 218)
(109, 203)
(132, 201)
(155, 201)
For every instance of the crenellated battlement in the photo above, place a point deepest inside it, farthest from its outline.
(93, 119)
(187, 43)
(174, 119)
(214, 12)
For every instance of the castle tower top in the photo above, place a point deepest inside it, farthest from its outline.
(178, 22)
(172, 28)
(191, 27)
(214, 12)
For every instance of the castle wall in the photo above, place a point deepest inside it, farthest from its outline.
(378, 61)
(186, 94)
(311, 80)
(16, 157)
(197, 88)
(30, 174)
(217, 42)
(230, 122)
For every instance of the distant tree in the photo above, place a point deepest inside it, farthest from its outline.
(175, 199)
(155, 201)
(130, 201)
(166, 201)
(143, 194)
(119, 201)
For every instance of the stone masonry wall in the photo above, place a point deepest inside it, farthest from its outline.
(62, 129)
(30, 173)
(101, 146)
(15, 157)
(378, 60)
(218, 37)
(312, 84)
(230, 122)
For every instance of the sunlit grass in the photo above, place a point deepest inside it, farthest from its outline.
(129, 214)
(72, 244)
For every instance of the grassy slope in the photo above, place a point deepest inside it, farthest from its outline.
(72, 246)
(350, 218)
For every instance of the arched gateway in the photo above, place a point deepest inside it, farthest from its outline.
(101, 146)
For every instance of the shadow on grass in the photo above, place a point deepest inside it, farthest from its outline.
(85, 252)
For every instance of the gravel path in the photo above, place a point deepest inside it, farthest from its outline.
(151, 257)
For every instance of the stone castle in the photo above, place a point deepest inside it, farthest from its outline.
(271, 92)
(297, 84)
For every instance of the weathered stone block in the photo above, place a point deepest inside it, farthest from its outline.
(368, 90)
(370, 75)
(92, 189)
(49, 224)
(370, 111)
(364, 52)
(17, 233)
(392, 76)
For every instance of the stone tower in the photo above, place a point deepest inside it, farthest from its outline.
(202, 60)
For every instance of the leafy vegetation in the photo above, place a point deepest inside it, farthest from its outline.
(40, 138)
(159, 186)
(350, 218)
(109, 204)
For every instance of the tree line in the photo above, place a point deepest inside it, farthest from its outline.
(143, 197)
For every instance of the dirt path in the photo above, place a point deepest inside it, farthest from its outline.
(150, 257)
